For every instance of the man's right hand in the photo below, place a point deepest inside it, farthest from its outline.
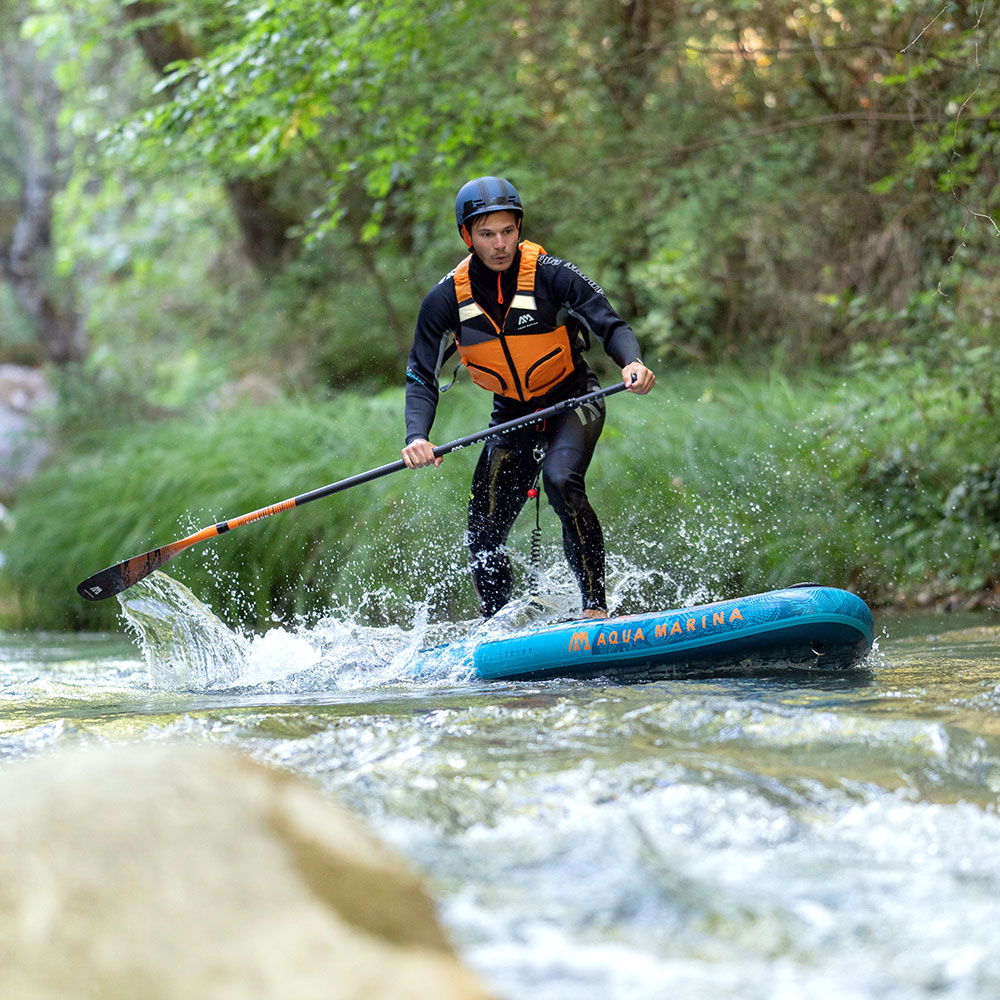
(419, 453)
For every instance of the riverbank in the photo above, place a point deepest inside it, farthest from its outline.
(957, 603)
(719, 483)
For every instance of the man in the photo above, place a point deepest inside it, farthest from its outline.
(519, 320)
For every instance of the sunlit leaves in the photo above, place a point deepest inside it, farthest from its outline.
(366, 95)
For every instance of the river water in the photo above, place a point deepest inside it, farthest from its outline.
(822, 836)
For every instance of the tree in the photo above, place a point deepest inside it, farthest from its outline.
(35, 164)
(266, 223)
(355, 102)
(742, 175)
(772, 174)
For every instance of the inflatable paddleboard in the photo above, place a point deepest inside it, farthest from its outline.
(801, 627)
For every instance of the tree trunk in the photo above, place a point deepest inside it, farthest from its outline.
(263, 223)
(33, 102)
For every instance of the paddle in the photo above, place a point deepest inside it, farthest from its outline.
(123, 575)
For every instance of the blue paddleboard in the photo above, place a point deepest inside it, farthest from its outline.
(802, 627)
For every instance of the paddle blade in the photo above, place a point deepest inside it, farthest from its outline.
(107, 583)
(115, 579)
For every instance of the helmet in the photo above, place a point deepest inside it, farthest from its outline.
(482, 196)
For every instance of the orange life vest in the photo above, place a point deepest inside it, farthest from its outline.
(520, 359)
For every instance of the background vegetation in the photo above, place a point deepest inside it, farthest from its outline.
(217, 222)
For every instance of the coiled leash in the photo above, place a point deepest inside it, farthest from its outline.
(535, 557)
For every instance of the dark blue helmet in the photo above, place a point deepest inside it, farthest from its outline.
(484, 195)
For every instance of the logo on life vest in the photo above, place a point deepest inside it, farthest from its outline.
(525, 319)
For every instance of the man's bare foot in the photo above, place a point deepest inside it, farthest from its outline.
(594, 613)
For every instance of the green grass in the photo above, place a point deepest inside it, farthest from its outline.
(719, 483)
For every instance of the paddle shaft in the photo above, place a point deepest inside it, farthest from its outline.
(123, 575)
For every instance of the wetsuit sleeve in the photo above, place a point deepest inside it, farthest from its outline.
(432, 345)
(586, 302)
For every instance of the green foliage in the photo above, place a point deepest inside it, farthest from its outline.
(769, 183)
(744, 178)
(920, 436)
(160, 481)
(715, 484)
(18, 343)
(364, 98)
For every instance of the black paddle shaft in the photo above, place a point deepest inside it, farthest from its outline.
(123, 575)
(491, 432)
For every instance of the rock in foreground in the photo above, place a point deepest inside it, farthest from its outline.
(169, 871)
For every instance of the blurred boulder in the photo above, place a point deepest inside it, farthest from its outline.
(24, 394)
(177, 871)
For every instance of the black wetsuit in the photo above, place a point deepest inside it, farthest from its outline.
(508, 466)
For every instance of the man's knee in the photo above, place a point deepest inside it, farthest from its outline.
(565, 489)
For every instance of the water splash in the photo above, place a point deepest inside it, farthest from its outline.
(185, 646)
